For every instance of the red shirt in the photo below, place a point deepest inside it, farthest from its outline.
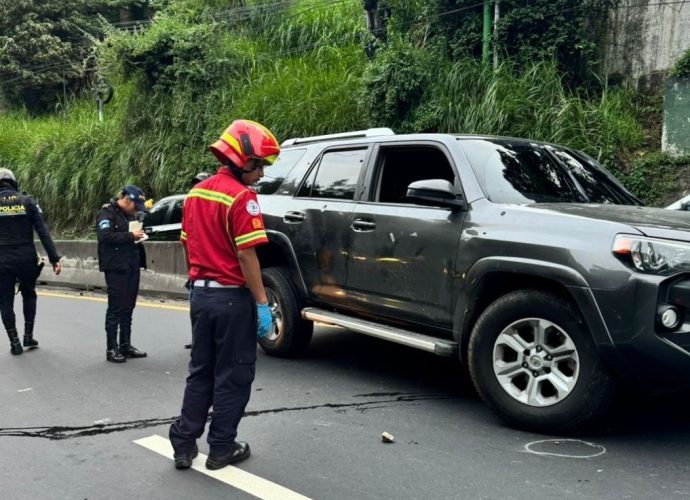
(220, 216)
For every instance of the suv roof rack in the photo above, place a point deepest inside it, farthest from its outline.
(372, 132)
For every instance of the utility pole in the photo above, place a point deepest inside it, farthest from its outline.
(376, 19)
(497, 17)
(486, 38)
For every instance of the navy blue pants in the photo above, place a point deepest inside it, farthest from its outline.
(221, 370)
(123, 288)
(26, 275)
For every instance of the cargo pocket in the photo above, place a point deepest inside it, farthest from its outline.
(244, 369)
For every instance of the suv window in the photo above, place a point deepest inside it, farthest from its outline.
(401, 166)
(276, 173)
(335, 176)
(522, 172)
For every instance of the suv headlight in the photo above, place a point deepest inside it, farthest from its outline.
(652, 256)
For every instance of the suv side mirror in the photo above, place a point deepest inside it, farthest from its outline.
(435, 192)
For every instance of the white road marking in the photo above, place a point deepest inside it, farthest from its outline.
(600, 450)
(25, 390)
(238, 478)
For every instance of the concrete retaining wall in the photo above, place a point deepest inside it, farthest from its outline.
(166, 273)
(645, 39)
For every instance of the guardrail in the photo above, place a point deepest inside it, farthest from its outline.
(166, 273)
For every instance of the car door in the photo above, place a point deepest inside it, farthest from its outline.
(402, 255)
(318, 218)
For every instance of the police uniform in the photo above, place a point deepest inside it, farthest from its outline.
(19, 217)
(220, 217)
(120, 258)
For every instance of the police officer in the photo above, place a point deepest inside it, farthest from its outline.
(120, 256)
(221, 226)
(201, 176)
(19, 216)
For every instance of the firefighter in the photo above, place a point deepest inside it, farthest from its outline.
(221, 228)
(19, 217)
(120, 257)
(201, 176)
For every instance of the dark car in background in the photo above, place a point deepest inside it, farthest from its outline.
(164, 221)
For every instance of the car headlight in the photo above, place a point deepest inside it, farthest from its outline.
(652, 256)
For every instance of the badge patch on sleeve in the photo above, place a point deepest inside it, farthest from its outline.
(104, 224)
(256, 224)
(253, 208)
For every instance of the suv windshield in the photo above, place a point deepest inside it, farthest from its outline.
(523, 172)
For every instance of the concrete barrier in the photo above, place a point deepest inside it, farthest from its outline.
(166, 273)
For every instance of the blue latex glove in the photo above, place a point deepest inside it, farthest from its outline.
(265, 320)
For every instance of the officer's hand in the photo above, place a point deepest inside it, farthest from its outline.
(265, 321)
(57, 267)
(139, 234)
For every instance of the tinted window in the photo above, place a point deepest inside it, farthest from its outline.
(157, 215)
(599, 185)
(176, 214)
(336, 175)
(276, 173)
(523, 172)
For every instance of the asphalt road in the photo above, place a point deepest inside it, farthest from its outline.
(69, 421)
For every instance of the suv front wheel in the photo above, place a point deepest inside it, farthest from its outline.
(290, 334)
(532, 360)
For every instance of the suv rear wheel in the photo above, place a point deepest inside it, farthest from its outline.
(290, 334)
(533, 362)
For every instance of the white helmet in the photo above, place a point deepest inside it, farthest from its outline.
(8, 176)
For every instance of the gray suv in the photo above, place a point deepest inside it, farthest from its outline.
(528, 261)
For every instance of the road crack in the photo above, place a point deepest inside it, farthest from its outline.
(58, 433)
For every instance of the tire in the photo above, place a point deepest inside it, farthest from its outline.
(291, 334)
(571, 389)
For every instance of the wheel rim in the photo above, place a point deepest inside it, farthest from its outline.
(536, 362)
(277, 314)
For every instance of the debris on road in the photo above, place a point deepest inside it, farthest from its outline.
(387, 437)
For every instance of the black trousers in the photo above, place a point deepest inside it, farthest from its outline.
(221, 370)
(26, 275)
(123, 288)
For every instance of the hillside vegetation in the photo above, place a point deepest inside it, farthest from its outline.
(299, 67)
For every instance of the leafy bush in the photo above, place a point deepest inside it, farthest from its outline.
(682, 67)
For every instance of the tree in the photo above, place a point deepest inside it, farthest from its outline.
(47, 47)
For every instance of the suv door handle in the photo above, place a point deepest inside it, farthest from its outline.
(362, 225)
(294, 217)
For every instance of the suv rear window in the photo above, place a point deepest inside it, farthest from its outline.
(276, 173)
(521, 172)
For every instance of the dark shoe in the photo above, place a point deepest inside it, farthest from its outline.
(132, 352)
(240, 451)
(114, 356)
(29, 340)
(16, 346)
(188, 346)
(184, 460)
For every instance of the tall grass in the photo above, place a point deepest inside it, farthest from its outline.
(533, 103)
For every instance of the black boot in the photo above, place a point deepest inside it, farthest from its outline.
(29, 340)
(112, 353)
(127, 349)
(15, 345)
